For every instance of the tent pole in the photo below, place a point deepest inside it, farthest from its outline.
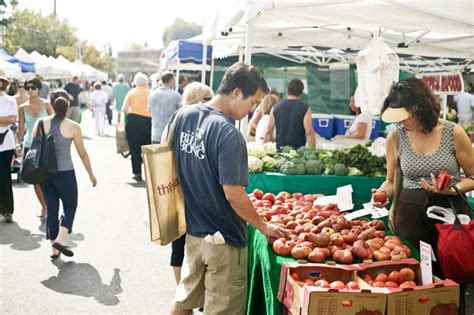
(248, 60)
(177, 76)
(211, 79)
(204, 64)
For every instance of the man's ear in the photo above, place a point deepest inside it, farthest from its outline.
(235, 93)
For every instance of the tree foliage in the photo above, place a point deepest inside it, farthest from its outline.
(51, 36)
(31, 31)
(180, 29)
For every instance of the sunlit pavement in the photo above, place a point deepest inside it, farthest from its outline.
(115, 268)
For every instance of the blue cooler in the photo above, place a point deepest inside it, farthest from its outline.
(375, 127)
(323, 124)
(341, 123)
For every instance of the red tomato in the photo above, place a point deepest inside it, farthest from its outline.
(258, 193)
(295, 275)
(337, 285)
(408, 284)
(395, 276)
(269, 196)
(423, 299)
(407, 274)
(322, 284)
(347, 303)
(352, 285)
(444, 309)
(297, 196)
(391, 284)
(379, 284)
(381, 277)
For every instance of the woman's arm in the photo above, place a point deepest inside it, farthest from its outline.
(252, 128)
(387, 185)
(271, 124)
(81, 150)
(359, 133)
(465, 157)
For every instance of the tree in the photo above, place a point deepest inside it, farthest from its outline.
(31, 31)
(180, 29)
(91, 56)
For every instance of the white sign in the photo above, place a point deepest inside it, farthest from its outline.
(449, 83)
(356, 214)
(376, 212)
(426, 253)
(344, 198)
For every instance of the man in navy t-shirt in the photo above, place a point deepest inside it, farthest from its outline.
(212, 167)
(292, 119)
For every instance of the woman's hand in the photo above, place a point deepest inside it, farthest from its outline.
(93, 180)
(379, 198)
(432, 188)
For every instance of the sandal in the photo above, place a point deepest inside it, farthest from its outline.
(55, 256)
(63, 249)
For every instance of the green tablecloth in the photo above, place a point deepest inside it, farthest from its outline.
(312, 184)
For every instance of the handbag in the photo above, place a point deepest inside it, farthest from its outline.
(165, 195)
(456, 247)
(121, 138)
(397, 182)
(3, 135)
(40, 163)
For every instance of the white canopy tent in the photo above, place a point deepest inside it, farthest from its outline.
(45, 67)
(12, 70)
(433, 28)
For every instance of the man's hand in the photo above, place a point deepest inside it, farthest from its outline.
(274, 231)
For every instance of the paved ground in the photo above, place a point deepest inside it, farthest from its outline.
(116, 269)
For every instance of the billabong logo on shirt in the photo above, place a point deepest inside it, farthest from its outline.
(192, 143)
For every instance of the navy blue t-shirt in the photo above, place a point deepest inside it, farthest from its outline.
(289, 117)
(210, 152)
(74, 90)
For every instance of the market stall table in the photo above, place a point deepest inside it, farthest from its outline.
(312, 184)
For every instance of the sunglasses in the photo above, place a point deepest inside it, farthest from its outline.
(31, 87)
(207, 99)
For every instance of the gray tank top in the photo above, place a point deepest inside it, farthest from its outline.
(62, 147)
(415, 167)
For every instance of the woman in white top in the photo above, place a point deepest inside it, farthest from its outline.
(8, 115)
(264, 108)
(99, 99)
(361, 128)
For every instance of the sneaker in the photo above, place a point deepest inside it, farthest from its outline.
(137, 177)
(8, 217)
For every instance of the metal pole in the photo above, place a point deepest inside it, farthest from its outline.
(211, 79)
(204, 64)
(248, 60)
(54, 7)
(177, 76)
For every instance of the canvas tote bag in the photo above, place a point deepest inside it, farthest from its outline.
(165, 195)
(121, 138)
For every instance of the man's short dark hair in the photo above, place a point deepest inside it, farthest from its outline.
(167, 77)
(248, 78)
(75, 77)
(295, 87)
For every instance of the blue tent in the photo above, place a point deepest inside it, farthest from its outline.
(25, 66)
(187, 51)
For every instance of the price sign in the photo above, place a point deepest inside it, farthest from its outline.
(344, 198)
(425, 263)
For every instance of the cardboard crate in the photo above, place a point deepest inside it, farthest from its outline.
(326, 301)
(440, 297)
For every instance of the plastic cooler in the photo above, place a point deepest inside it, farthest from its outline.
(375, 127)
(323, 124)
(341, 123)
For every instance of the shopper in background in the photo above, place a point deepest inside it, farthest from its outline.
(138, 126)
(73, 89)
(465, 106)
(8, 116)
(45, 88)
(255, 117)
(427, 145)
(162, 103)
(361, 127)
(183, 81)
(292, 119)
(195, 93)
(28, 113)
(21, 95)
(63, 186)
(265, 108)
(208, 146)
(108, 111)
(119, 92)
(99, 100)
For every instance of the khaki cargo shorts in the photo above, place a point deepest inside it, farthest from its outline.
(213, 277)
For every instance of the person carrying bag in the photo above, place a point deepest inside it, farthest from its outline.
(40, 163)
(165, 195)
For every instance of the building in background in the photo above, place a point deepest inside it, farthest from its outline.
(138, 58)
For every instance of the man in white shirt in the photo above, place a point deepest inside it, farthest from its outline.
(8, 116)
(99, 99)
(465, 105)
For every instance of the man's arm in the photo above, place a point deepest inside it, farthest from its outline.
(308, 128)
(241, 204)
(7, 120)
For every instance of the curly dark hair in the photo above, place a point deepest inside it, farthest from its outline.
(417, 98)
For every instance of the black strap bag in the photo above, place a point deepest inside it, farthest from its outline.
(40, 163)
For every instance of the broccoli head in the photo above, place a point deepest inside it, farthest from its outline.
(340, 169)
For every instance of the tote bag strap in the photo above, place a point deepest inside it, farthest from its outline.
(172, 127)
(457, 223)
(41, 128)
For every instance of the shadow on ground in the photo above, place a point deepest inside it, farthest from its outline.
(19, 239)
(83, 279)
